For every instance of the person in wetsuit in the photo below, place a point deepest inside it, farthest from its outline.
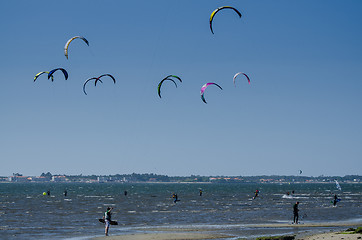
(295, 213)
(107, 219)
(175, 198)
(256, 193)
(335, 200)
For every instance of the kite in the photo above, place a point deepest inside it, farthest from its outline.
(300, 171)
(50, 74)
(169, 77)
(37, 75)
(203, 88)
(338, 186)
(109, 75)
(217, 10)
(160, 84)
(238, 75)
(87, 82)
(69, 41)
(173, 76)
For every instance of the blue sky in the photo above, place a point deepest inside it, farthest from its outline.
(302, 109)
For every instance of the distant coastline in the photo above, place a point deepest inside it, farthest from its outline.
(154, 178)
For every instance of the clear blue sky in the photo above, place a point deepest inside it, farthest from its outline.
(301, 111)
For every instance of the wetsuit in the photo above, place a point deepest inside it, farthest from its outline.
(335, 200)
(295, 212)
(174, 198)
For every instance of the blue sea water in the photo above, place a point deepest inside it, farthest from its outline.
(26, 213)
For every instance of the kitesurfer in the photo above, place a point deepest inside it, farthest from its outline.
(48, 192)
(175, 198)
(256, 193)
(295, 212)
(107, 219)
(200, 191)
(65, 193)
(335, 200)
(125, 193)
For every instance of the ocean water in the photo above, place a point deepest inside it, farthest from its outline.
(26, 214)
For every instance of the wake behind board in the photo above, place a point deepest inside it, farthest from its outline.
(111, 222)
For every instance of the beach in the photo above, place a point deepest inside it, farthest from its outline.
(332, 236)
(313, 231)
(200, 236)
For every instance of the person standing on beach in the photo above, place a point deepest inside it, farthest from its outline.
(107, 219)
(295, 212)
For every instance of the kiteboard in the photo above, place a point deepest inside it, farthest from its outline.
(338, 200)
(111, 222)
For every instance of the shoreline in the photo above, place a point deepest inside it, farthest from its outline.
(309, 231)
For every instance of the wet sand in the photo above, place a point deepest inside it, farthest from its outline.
(207, 233)
(165, 236)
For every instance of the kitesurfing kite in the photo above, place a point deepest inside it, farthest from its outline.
(203, 88)
(108, 75)
(300, 171)
(37, 75)
(89, 79)
(217, 10)
(69, 41)
(160, 84)
(50, 74)
(174, 76)
(169, 77)
(338, 186)
(238, 75)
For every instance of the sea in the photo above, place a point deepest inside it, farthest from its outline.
(26, 213)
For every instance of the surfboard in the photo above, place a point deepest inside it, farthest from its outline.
(111, 222)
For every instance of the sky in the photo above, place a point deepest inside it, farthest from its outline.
(302, 110)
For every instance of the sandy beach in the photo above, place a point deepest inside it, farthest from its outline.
(165, 236)
(199, 233)
(331, 236)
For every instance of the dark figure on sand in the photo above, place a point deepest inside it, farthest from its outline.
(295, 212)
(107, 219)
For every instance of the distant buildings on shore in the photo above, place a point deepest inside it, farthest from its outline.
(153, 178)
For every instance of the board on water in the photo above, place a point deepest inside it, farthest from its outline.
(338, 200)
(111, 222)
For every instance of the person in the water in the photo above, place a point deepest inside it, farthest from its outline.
(256, 194)
(175, 198)
(65, 193)
(335, 200)
(200, 191)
